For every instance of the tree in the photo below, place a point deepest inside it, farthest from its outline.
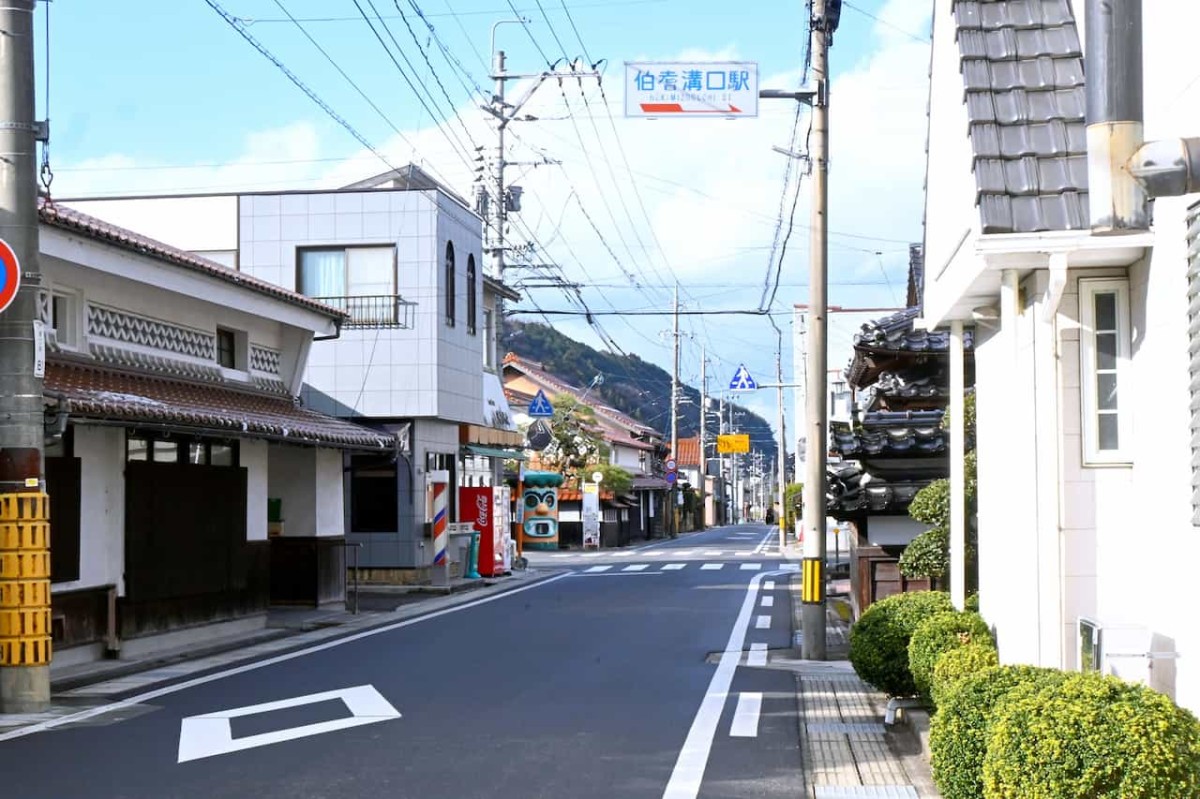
(789, 493)
(616, 479)
(577, 440)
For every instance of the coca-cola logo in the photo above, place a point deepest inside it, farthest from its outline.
(482, 506)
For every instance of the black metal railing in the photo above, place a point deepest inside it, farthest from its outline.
(374, 310)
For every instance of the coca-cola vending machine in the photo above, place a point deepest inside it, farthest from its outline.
(486, 508)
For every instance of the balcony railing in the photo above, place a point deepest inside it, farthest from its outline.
(374, 310)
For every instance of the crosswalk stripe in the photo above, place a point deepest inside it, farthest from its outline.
(712, 566)
(768, 602)
(628, 554)
(757, 656)
(751, 567)
(714, 554)
(596, 569)
(636, 567)
(670, 567)
(763, 623)
(745, 717)
(769, 585)
(591, 554)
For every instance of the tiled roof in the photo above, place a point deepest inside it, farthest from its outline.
(1022, 67)
(96, 393)
(916, 276)
(537, 373)
(903, 433)
(689, 452)
(881, 344)
(848, 497)
(894, 391)
(60, 216)
(612, 432)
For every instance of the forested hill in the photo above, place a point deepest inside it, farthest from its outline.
(630, 385)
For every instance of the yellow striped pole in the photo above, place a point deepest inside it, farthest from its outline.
(812, 584)
(24, 579)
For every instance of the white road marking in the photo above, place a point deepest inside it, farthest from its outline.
(688, 773)
(745, 717)
(712, 566)
(596, 569)
(790, 567)
(134, 701)
(561, 555)
(757, 656)
(636, 567)
(770, 538)
(769, 585)
(768, 602)
(714, 554)
(591, 554)
(762, 623)
(671, 567)
(751, 567)
(621, 573)
(212, 733)
(625, 554)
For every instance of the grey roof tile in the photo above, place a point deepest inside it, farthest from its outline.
(1057, 175)
(967, 15)
(1001, 44)
(1010, 107)
(972, 44)
(1021, 177)
(993, 15)
(980, 107)
(996, 212)
(977, 74)
(989, 175)
(985, 138)
(1043, 42)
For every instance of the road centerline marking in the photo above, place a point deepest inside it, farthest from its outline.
(757, 656)
(671, 567)
(712, 567)
(596, 569)
(762, 623)
(768, 602)
(636, 567)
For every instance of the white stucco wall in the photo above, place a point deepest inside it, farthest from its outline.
(291, 476)
(889, 530)
(101, 452)
(253, 457)
(330, 498)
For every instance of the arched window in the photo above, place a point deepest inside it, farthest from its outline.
(471, 294)
(450, 315)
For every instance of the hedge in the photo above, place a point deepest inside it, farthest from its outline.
(1092, 736)
(879, 639)
(953, 665)
(958, 732)
(938, 634)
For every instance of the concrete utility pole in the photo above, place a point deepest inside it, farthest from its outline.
(24, 505)
(812, 595)
(675, 410)
(703, 436)
(782, 519)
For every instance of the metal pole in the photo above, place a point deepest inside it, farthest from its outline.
(24, 506)
(703, 437)
(498, 205)
(813, 593)
(958, 525)
(675, 412)
(782, 445)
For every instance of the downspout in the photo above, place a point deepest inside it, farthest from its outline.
(1113, 66)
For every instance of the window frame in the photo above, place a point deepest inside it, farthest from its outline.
(472, 294)
(226, 334)
(345, 249)
(448, 277)
(66, 329)
(1089, 372)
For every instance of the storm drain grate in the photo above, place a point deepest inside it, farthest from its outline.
(847, 728)
(864, 792)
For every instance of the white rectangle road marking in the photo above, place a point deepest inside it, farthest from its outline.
(745, 716)
(636, 567)
(714, 554)
(596, 569)
(769, 585)
(673, 567)
(762, 623)
(712, 566)
(626, 554)
(790, 567)
(751, 567)
(757, 656)
(768, 602)
(591, 554)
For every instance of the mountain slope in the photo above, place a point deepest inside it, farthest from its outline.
(630, 384)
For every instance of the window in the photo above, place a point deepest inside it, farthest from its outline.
(471, 293)
(489, 339)
(1104, 342)
(63, 319)
(358, 280)
(450, 288)
(374, 498)
(147, 447)
(226, 348)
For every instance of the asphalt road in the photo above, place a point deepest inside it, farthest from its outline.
(625, 676)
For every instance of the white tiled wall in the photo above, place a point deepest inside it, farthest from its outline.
(430, 370)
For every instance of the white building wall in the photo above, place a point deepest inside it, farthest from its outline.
(330, 498)
(101, 452)
(252, 456)
(627, 457)
(291, 477)
(460, 352)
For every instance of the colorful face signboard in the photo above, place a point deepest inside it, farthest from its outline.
(10, 275)
(691, 89)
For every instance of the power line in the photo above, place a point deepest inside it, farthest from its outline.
(248, 21)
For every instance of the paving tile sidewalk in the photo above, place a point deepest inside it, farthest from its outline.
(846, 748)
(288, 630)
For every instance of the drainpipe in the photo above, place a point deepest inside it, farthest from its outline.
(1113, 65)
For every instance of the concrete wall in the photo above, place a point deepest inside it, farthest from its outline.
(291, 472)
(253, 457)
(101, 452)
(889, 530)
(330, 498)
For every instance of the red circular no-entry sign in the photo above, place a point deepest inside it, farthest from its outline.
(10, 275)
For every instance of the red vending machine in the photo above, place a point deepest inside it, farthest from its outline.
(477, 505)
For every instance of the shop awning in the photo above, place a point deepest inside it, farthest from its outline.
(495, 452)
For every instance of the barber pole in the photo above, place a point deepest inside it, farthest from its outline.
(441, 510)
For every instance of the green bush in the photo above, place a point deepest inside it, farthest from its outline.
(936, 635)
(953, 665)
(1092, 736)
(879, 639)
(972, 603)
(927, 555)
(958, 733)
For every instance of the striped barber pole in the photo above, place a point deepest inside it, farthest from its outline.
(441, 501)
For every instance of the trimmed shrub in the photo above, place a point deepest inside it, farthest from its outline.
(938, 634)
(1092, 736)
(879, 639)
(958, 732)
(953, 665)
(972, 603)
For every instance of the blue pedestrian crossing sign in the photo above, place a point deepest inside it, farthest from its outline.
(742, 381)
(540, 406)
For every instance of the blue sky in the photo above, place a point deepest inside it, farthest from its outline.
(163, 96)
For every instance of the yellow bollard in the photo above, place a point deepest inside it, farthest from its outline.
(24, 579)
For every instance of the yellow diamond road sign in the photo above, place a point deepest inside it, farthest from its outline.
(733, 444)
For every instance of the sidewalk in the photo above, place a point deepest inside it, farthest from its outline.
(98, 683)
(846, 748)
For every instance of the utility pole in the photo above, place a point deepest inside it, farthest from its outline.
(675, 410)
(24, 505)
(721, 460)
(782, 446)
(703, 436)
(812, 594)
